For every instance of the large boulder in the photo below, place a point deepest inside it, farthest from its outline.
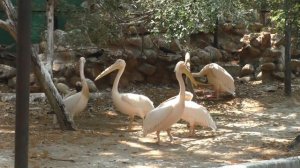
(147, 42)
(214, 53)
(233, 69)
(265, 40)
(248, 69)
(295, 66)
(7, 72)
(249, 54)
(147, 69)
(134, 41)
(201, 57)
(150, 55)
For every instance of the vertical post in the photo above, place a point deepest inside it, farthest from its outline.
(22, 90)
(287, 72)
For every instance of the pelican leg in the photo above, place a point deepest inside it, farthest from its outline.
(193, 133)
(192, 129)
(217, 94)
(214, 95)
(169, 134)
(130, 123)
(54, 119)
(158, 137)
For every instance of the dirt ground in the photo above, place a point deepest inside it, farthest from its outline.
(257, 124)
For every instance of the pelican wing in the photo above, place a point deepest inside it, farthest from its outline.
(168, 101)
(137, 100)
(188, 97)
(70, 94)
(225, 80)
(195, 113)
(72, 101)
(217, 76)
(155, 119)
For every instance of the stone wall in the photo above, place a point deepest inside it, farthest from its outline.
(151, 59)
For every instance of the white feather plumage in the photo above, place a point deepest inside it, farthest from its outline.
(217, 76)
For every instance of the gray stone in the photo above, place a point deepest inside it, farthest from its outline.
(150, 54)
(147, 42)
(175, 46)
(204, 57)
(295, 66)
(268, 66)
(7, 72)
(215, 53)
(134, 41)
(12, 82)
(147, 69)
(270, 88)
(233, 69)
(132, 52)
(136, 77)
(169, 57)
(248, 69)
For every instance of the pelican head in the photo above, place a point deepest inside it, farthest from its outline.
(82, 59)
(181, 67)
(119, 64)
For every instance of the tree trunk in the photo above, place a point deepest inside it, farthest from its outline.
(287, 72)
(50, 41)
(51, 92)
(216, 34)
(40, 71)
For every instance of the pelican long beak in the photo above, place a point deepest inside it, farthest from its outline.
(106, 71)
(190, 76)
(196, 74)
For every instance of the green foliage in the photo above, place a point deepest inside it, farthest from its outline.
(174, 19)
(99, 19)
(178, 19)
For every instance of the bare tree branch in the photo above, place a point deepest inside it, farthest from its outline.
(40, 71)
(50, 40)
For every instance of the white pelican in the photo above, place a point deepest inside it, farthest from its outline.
(196, 114)
(77, 103)
(218, 77)
(193, 113)
(164, 116)
(127, 103)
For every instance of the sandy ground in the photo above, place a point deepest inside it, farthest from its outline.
(255, 125)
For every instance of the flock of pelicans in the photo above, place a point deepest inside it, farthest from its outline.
(162, 117)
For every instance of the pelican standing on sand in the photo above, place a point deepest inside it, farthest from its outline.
(194, 114)
(163, 117)
(77, 103)
(127, 103)
(218, 77)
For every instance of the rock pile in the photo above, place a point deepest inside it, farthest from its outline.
(262, 57)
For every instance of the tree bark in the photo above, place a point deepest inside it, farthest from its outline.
(51, 92)
(287, 72)
(9, 25)
(40, 71)
(216, 34)
(50, 41)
